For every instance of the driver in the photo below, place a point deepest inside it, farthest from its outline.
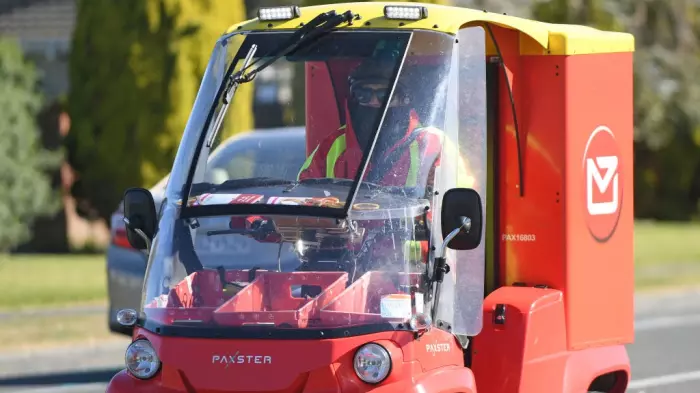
(409, 151)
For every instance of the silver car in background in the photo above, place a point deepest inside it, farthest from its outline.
(277, 152)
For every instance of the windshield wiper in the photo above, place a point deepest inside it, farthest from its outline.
(318, 26)
(233, 83)
(330, 180)
(234, 184)
(321, 24)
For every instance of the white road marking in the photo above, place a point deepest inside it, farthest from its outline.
(646, 324)
(660, 323)
(664, 380)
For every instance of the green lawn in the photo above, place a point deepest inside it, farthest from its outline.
(28, 332)
(665, 254)
(663, 243)
(29, 281)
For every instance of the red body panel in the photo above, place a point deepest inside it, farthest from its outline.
(545, 235)
(529, 352)
(599, 93)
(322, 114)
(300, 366)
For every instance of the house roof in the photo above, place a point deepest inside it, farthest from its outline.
(38, 20)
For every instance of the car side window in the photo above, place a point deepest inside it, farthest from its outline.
(242, 165)
(282, 163)
(260, 159)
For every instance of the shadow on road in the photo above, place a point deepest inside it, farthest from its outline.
(93, 376)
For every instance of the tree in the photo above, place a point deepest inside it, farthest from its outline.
(667, 118)
(135, 69)
(25, 187)
(594, 13)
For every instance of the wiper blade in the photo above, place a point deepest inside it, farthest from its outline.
(321, 24)
(332, 181)
(232, 85)
(229, 185)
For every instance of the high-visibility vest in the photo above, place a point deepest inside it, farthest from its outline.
(339, 146)
(414, 250)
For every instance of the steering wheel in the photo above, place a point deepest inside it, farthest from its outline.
(379, 164)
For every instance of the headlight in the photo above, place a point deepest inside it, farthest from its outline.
(141, 359)
(407, 12)
(279, 13)
(372, 363)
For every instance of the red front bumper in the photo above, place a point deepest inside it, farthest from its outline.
(451, 379)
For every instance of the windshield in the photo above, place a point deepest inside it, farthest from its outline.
(327, 178)
(248, 155)
(346, 238)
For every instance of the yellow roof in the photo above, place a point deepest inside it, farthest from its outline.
(544, 38)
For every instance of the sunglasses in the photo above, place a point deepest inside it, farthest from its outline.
(363, 94)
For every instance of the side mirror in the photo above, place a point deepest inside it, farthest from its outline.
(139, 217)
(461, 218)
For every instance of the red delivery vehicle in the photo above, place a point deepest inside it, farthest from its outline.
(463, 221)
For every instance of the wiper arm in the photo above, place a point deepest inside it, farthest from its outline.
(321, 24)
(232, 85)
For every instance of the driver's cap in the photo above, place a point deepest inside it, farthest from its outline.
(380, 65)
(372, 70)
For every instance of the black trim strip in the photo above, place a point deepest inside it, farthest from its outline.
(492, 130)
(250, 209)
(512, 107)
(274, 333)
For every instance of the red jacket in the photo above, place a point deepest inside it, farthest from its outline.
(341, 150)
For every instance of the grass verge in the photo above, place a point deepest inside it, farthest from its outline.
(664, 243)
(30, 281)
(25, 332)
(666, 254)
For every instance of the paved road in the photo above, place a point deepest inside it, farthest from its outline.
(666, 354)
(79, 370)
(665, 357)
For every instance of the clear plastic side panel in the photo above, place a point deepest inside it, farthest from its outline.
(463, 164)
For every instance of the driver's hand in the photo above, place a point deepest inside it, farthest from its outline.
(261, 227)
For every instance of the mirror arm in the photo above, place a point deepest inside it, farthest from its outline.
(441, 266)
(466, 225)
(140, 233)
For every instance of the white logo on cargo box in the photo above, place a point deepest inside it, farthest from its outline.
(603, 188)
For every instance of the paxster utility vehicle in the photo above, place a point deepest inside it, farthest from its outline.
(463, 222)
